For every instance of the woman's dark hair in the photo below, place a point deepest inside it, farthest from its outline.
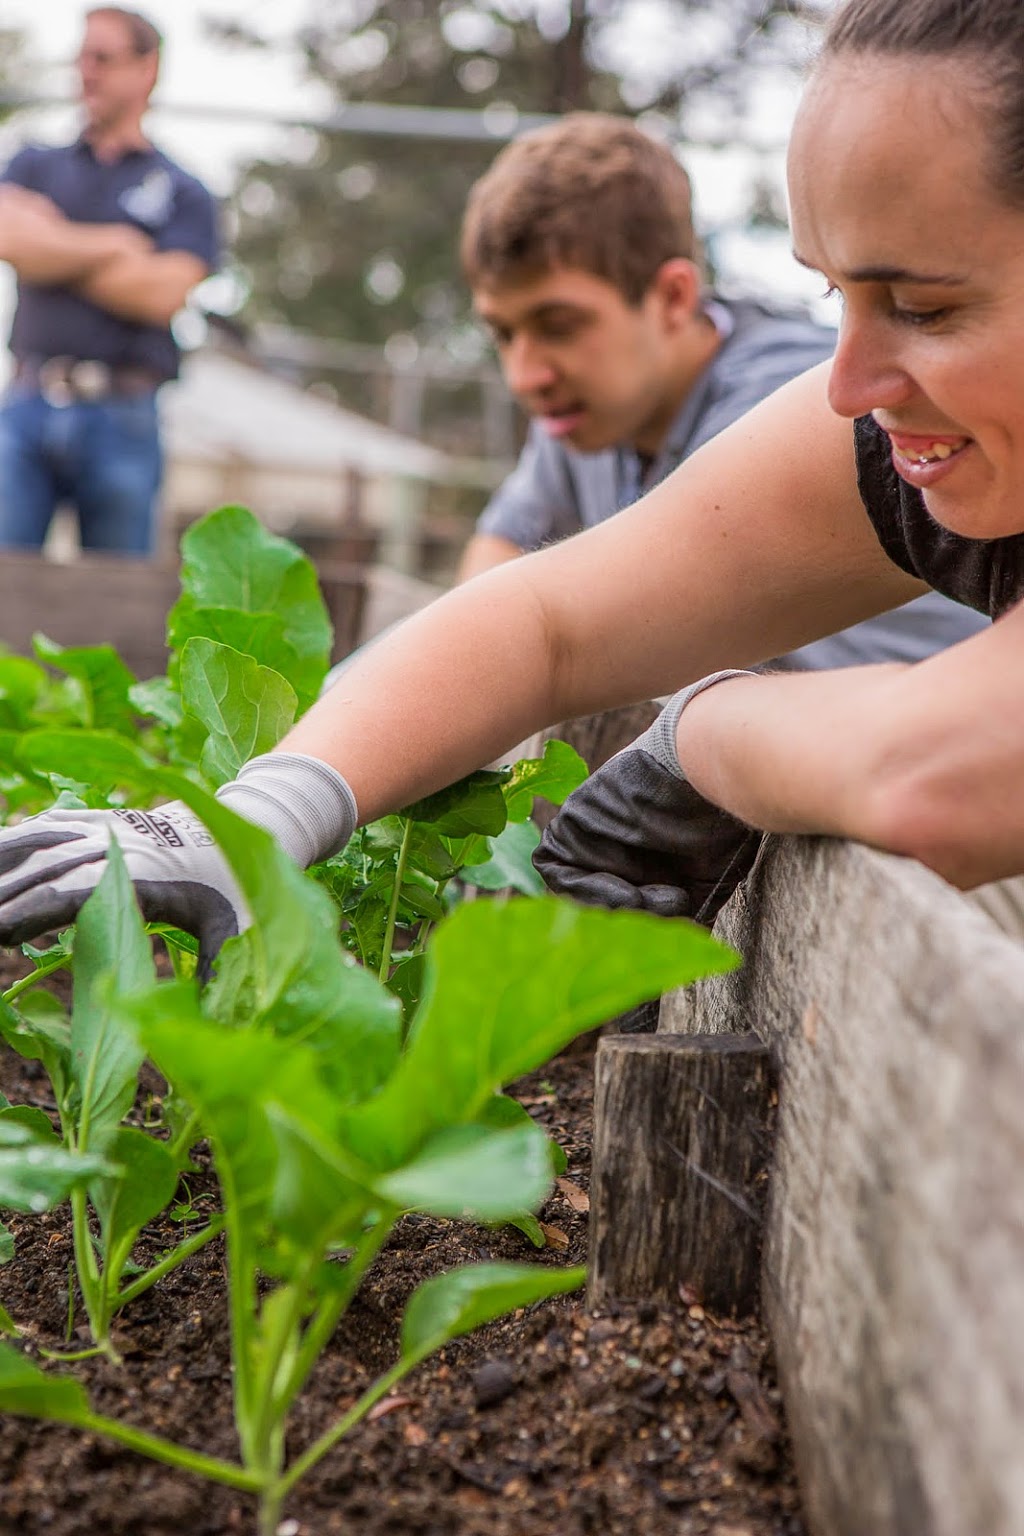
(987, 33)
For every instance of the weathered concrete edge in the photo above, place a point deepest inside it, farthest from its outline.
(894, 1253)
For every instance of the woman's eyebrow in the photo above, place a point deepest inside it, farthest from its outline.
(891, 274)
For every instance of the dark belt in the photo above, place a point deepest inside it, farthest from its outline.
(62, 380)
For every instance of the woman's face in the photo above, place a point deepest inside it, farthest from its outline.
(892, 201)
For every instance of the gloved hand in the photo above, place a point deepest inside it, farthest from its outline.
(51, 863)
(637, 834)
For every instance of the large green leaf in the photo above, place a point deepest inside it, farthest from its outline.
(321, 1195)
(510, 866)
(475, 1172)
(36, 1171)
(473, 805)
(22, 685)
(98, 758)
(156, 697)
(112, 956)
(553, 776)
(464, 1299)
(26, 1390)
(104, 678)
(231, 1078)
(245, 707)
(40, 1030)
(507, 986)
(259, 635)
(145, 1185)
(230, 561)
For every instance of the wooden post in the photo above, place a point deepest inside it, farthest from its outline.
(681, 1146)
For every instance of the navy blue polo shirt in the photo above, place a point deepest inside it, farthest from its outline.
(145, 188)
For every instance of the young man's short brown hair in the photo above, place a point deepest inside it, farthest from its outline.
(591, 191)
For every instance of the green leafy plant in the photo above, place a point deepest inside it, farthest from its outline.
(117, 1176)
(325, 1130)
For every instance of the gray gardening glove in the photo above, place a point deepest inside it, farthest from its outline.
(51, 863)
(637, 834)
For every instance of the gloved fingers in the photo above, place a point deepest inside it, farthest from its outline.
(19, 843)
(53, 903)
(209, 914)
(41, 867)
(596, 888)
(666, 900)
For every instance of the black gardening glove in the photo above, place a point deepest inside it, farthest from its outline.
(50, 864)
(637, 834)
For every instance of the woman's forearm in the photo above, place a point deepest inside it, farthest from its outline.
(919, 760)
(791, 752)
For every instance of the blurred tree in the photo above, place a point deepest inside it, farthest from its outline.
(355, 236)
(12, 58)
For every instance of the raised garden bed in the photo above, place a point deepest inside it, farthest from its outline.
(656, 1419)
(893, 1277)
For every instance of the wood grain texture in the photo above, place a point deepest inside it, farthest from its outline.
(681, 1147)
(123, 602)
(894, 1252)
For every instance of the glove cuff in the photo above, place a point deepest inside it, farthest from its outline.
(303, 802)
(659, 740)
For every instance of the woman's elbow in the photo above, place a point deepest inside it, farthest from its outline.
(918, 814)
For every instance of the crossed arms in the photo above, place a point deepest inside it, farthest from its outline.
(113, 265)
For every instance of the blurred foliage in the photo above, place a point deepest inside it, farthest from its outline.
(355, 236)
(12, 60)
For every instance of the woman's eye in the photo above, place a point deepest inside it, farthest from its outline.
(920, 317)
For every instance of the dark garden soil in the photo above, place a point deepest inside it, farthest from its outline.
(643, 1420)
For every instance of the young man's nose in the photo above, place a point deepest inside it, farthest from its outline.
(526, 366)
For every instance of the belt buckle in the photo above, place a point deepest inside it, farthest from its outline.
(54, 382)
(89, 380)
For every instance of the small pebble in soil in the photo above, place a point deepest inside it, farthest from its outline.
(492, 1382)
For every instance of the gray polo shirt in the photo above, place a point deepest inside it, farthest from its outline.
(555, 491)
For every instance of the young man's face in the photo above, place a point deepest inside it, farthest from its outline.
(591, 368)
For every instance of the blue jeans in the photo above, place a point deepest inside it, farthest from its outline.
(103, 456)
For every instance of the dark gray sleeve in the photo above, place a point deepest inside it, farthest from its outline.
(536, 505)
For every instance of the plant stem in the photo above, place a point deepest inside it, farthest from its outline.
(389, 931)
(338, 1431)
(185, 1136)
(37, 975)
(327, 1315)
(170, 1261)
(158, 1449)
(89, 1281)
(70, 1355)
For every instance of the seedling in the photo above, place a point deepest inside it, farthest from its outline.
(325, 1130)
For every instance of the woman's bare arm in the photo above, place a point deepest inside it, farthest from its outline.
(922, 760)
(754, 546)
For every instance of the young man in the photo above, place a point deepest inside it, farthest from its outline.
(580, 250)
(107, 236)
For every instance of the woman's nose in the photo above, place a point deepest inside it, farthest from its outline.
(866, 374)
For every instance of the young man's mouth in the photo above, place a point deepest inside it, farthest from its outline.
(561, 423)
